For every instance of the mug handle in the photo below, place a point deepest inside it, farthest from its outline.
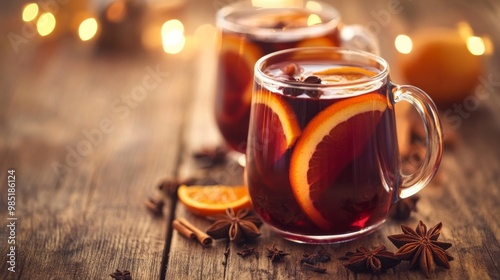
(414, 182)
(358, 37)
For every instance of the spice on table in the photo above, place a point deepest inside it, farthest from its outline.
(169, 185)
(188, 230)
(402, 209)
(375, 261)
(155, 206)
(275, 254)
(320, 256)
(239, 226)
(121, 275)
(248, 251)
(210, 156)
(421, 248)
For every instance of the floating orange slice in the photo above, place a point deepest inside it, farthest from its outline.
(274, 130)
(331, 140)
(237, 58)
(213, 200)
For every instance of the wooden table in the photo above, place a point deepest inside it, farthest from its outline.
(90, 135)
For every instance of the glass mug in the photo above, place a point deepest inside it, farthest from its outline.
(248, 31)
(322, 158)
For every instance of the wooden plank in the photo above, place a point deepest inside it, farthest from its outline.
(91, 220)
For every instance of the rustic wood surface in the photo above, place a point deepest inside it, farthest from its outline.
(86, 156)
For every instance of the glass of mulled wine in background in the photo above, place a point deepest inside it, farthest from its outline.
(249, 31)
(322, 157)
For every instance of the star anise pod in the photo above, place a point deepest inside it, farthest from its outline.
(275, 254)
(121, 275)
(248, 251)
(374, 261)
(321, 256)
(239, 226)
(421, 248)
(402, 209)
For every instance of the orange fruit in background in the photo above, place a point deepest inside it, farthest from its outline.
(329, 142)
(214, 199)
(441, 64)
(237, 59)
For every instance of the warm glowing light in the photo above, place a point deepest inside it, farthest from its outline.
(313, 6)
(150, 39)
(488, 45)
(116, 11)
(464, 30)
(30, 12)
(277, 3)
(172, 34)
(313, 19)
(88, 29)
(403, 44)
(45, 24)
(476, 45)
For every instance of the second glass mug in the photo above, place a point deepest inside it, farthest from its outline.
(322, 158)
(247, 32)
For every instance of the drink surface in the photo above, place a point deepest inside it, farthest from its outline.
(266, 31)
(315, 160)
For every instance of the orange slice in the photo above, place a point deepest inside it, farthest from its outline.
(331, 140)
(213, 200)
(274, 130)
(317, 42)
(237, 59)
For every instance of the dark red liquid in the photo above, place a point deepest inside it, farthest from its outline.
(351, 196)
(237, 56)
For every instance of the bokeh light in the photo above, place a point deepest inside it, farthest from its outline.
(172, 34)
(116, 11)
(30, 11)
(403, 44)
(475, 45)
(313, 19)
(45, 24)
(88, 29)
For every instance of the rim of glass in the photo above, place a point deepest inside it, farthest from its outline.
(382, 63)
(223, 22)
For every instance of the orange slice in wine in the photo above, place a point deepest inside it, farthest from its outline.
(213, 200)
(331, 140)
(237, 59)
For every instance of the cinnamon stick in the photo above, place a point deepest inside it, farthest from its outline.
(203, 238)
(184, 231)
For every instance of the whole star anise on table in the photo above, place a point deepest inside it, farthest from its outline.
(239, 226)
(420, 247)
(121, 275)
(375, 261)
(275, 254)
(402, 209)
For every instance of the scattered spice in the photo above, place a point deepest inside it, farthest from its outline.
(247, 251)
(375, 261)
(155, 206)
(210, 156)
(189, 231)
(293, 91)
(421, 247)
(315, 268)
(320, 256)
(170, 185)
(121, 275)
(402, 209)
(239, 226)
(275, 254)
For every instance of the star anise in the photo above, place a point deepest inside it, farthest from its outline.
(248, 251)
(320, 256)
(239, 226)
(275, 254)
(402, 209)
(374, 261)
(421, 247)
(121, 275)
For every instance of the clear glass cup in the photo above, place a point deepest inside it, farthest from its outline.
(322, 157)
(249, 31)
